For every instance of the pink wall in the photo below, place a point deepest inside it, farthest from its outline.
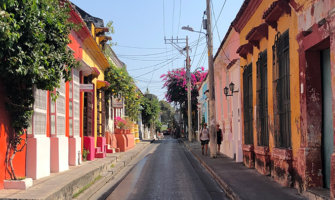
(227, 53)
(228, 109)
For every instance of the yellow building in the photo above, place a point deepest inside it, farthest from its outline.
(94, 63)
(270, 87)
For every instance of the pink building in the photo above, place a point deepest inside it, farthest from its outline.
(228, 104)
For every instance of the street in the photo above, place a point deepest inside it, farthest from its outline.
(169, 172)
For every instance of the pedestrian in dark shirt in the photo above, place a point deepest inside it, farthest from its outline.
(219, 136)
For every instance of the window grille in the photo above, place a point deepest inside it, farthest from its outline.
(247, 104)
(281, 85)
(40, 112)
(60, 110)
(76, 103)
(262, 100)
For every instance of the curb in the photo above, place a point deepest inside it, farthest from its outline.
(228, 190)
(108, 175)
(120, 161)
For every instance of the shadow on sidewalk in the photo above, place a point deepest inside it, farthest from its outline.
(240, 182)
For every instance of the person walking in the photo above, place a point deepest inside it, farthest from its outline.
(204, 138)
(219, 136)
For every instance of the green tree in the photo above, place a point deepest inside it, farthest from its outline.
(122, 83)
(33, 53)
(151, 109)
(167, 113)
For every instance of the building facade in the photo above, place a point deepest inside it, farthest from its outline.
(228, 105)
(202, 104)
(316, 39)
(287, 86)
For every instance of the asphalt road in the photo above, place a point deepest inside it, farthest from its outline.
(167, 171)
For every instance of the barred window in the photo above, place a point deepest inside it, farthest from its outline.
(281, 85)
(60, 110)
(262, 100)
(39, 119)
(247, 104)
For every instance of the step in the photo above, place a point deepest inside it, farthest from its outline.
(100, 155)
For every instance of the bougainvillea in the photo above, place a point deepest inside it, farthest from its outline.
(176, 84)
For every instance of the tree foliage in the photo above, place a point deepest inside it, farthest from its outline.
(167, 113)
(122, 83)
(33, 53)
(175, 82)
(150, 109)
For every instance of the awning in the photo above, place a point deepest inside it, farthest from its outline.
(95, 72)
(85, 68)
(102, 84)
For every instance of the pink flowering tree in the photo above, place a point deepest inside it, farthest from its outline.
(176, 84)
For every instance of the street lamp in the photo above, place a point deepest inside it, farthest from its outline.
(188, 28)
(231, 88)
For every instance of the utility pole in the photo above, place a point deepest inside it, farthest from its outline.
(211, 110)
(174, 42)
(189, 90)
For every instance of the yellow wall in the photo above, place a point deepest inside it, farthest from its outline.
(92, 56)
(284, 23)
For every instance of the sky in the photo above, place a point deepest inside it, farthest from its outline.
(141, 26)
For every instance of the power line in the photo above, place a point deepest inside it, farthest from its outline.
(173, 17)
(164, 17)
(155, 69)
(198, 40)
(134, 47)
(152, 54)
(217, 30)
(146, 81)
(144, 60)
(156, 64)
(202, 56)
(179, 17)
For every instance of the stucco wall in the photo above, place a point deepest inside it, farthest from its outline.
(19, 161)
(285, 22)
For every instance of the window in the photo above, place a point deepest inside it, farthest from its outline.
(60, 109)
(76, 102)
(71, 109)
(52, 114)
(38, 123)
(101, 112)
(247, 104)
(262, 100)
(281, 85)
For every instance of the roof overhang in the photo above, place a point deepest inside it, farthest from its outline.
(244, 49)
(275, 11)
(257, 33)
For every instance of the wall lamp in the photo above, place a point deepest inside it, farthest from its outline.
(231, 88)
(206, 93)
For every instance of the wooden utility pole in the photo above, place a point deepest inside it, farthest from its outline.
(189, 90)
(188, 79)
(211, 110)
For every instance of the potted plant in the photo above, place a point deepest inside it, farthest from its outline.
(120, 124)
(129, 125)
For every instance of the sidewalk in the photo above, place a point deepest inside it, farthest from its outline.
(65, 184)
(240, 182)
